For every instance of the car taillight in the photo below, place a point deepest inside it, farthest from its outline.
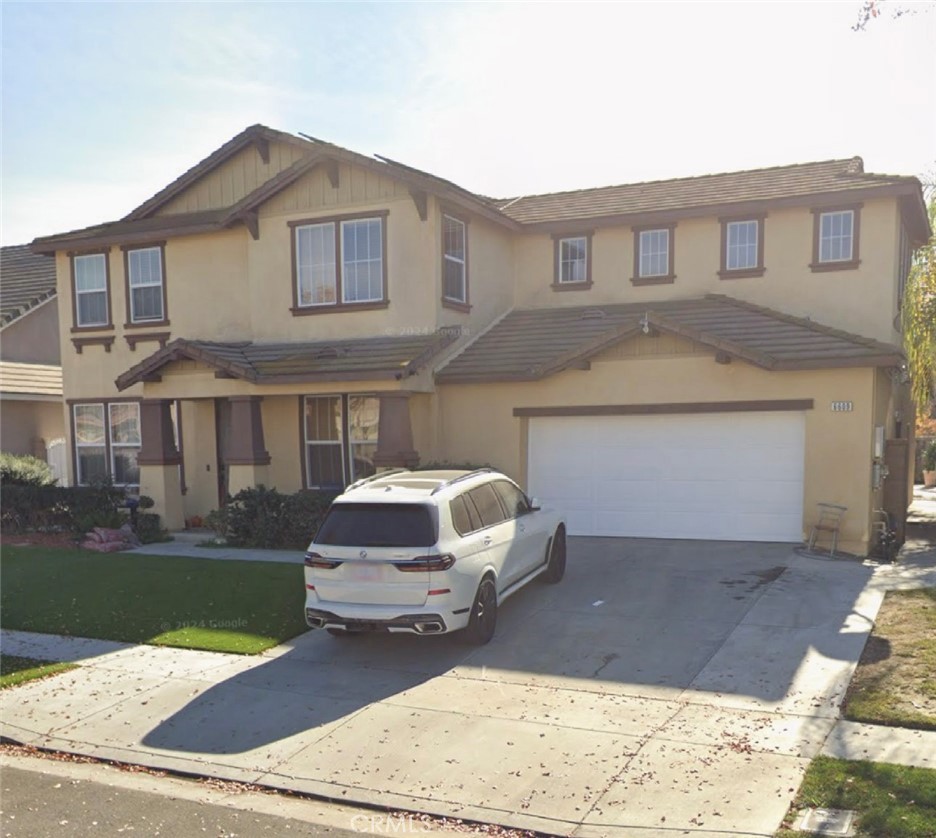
(315, 560)
(427, 565)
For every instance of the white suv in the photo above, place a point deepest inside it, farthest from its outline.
(428, 552)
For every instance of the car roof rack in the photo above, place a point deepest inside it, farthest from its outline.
(461, 477)
(364, 480)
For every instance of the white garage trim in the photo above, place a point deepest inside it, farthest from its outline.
(734, 476)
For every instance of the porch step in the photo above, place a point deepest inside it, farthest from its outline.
(193, 536)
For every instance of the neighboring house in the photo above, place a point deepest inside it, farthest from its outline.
(32, 418)
(705, 357)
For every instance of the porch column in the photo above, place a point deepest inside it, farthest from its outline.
(246, 457)
(395, 433)
(159, 461)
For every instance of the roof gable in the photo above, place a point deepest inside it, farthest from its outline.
(536, 343)
(26, 281)
(280, 363)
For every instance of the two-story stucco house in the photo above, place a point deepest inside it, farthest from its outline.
(705, 357)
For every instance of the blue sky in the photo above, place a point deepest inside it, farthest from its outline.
(104, 104)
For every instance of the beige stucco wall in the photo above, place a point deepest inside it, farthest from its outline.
(33, 339)
(476, 422)
(27, 426)
(862, 301)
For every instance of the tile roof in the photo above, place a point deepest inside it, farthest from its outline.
(798, 180)
(336, 360)
(30, 379)
(531, 344)
(26, 280)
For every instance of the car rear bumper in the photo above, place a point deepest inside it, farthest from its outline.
(416, 623)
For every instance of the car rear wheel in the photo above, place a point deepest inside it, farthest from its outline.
(483, 620)
(555, 569)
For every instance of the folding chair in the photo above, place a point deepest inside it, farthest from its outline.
(830, 519)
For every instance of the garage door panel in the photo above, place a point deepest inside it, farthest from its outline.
(718, 476)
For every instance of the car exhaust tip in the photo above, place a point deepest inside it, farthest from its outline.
(428, 628)
(316, 622)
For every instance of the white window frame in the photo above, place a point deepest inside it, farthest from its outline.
(649, 250)
(565, 245)
(453, 259)
(831, 237)
(329, 268)
(82, 259)
(735, 249)
(133, 284)
(346, 261)
(346, 442)
(107, 443)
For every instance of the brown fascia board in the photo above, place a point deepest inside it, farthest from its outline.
(588, 350)
(177, 350)
(327, 376)
(246, 137)
(892, 360)
(50, 244)
(665, 324)
(575, 223)
(884, 348)
(273, 186)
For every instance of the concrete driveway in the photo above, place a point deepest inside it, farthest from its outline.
(663, 685)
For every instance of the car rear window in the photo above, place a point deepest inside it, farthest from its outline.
(378, 525)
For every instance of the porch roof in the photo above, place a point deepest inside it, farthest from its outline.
(295, 363)
(532, 344)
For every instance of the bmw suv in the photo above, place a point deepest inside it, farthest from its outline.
(428, 552)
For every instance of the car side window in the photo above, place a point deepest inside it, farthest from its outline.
(487, 504)
(462, 516)
(515, 501)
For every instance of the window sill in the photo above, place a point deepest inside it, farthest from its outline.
(107, 341)
(106, 327)
(336, 308)
(820, 267)
(456, 305)
(147, 324)
(741, 273)
(669, 279)
(571, 286)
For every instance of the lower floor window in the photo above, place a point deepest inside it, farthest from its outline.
(107, 443)
(340, 439)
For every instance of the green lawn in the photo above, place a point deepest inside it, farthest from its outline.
(895, 682)
(222, 606)
(891, 800)
(15, 670)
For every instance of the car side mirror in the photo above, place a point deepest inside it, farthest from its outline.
(535, 505)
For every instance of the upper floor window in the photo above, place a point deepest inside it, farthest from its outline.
(107, 443)
(339, 262)
(835, 238)
(146, 286)
(742, 248)
(454, 261)
(573, 261)
(653, 255)
(91, 291)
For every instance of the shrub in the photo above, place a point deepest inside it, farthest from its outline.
(149, 529)
(929, 456)
(265, 518)
(23, 470)
(57, 508)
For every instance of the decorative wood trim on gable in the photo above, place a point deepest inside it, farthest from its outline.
(107, 341)
(421, 200)
(666, 408)
(146, 337)
(332, 172)
(262, 144)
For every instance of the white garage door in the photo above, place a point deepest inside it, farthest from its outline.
(725, 476)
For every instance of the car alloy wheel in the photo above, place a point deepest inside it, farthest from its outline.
(483, 621)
